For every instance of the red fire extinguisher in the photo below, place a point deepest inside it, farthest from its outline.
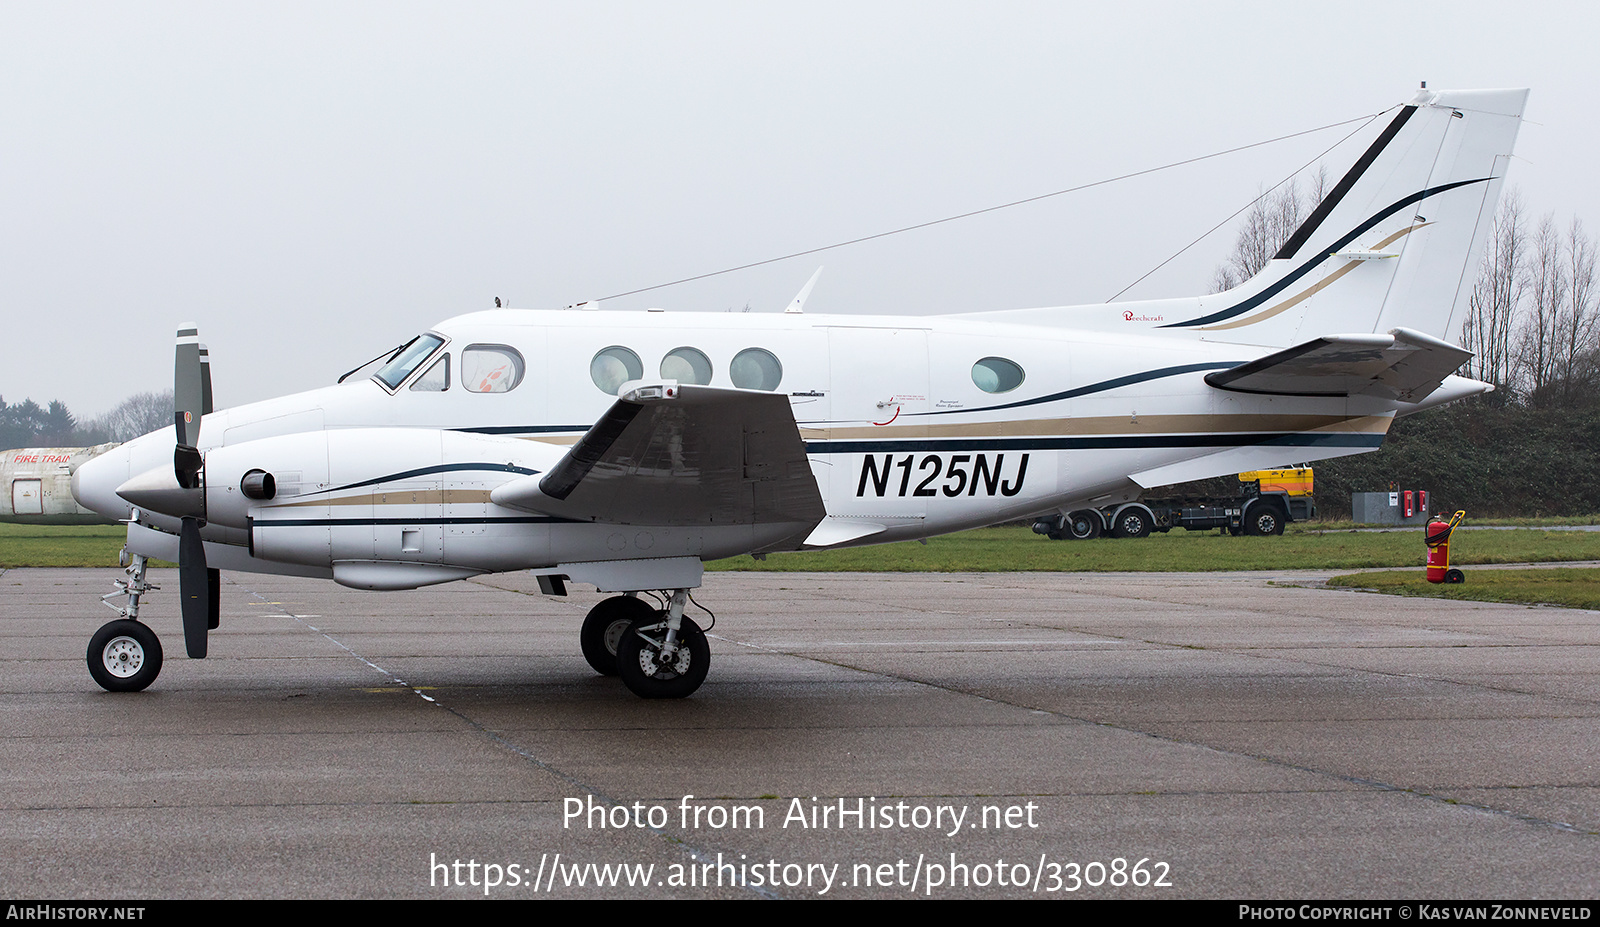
(1438, 541)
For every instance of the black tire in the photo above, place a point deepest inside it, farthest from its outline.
(604, 627)
(1263, 520)
(1083, 525)
(639, 671)
(124, 656)
(1131, 523)
(1455, 576)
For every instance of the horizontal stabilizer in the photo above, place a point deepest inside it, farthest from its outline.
(835, 531)
(667, 454)
(1237, 460)
(1404, 365)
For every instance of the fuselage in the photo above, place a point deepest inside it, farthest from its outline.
(913, 426)
(35, 486)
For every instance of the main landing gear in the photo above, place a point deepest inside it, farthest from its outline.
(124, 655)
(658, 653)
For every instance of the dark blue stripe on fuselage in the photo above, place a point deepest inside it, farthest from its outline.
(522, 429)
(1100, 387)
(326, 522)
(426, 471)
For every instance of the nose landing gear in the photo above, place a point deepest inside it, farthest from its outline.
(124, 655)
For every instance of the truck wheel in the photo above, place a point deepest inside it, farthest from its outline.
(1263, 520)
(1131, 523)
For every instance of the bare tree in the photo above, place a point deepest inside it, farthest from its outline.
(138, 414)
(1272, 218)
(1578, 328)
(1539, 336)
(1497, 296)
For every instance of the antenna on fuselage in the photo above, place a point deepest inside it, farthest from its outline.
(797, 306)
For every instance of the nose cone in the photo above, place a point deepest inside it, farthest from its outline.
(95, 482)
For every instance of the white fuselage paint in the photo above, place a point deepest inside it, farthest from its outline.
(898, 435)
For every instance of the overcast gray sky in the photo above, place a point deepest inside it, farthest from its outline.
(314, 182)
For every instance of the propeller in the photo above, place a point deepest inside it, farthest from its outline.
(199, 588)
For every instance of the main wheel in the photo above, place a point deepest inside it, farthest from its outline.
(1083, 525)
(1263, 520)
(1455, 576)
(124, 656)
(642, 670)
(1131, 523)
(604, 626)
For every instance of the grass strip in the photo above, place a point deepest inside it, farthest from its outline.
(1568, 587)
(1005, 549)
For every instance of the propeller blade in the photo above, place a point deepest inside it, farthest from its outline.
(206, 406)
(189, 392)
(214, 581)
(194, 588)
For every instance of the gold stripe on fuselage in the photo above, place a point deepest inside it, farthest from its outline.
(405, 497)
(1112, 425)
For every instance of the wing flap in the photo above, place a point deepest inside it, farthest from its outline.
(669, 454)
(1404, 365)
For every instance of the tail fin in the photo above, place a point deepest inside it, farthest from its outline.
(1396, 244)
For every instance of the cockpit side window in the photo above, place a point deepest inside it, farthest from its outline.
(491, 368)
(435, 379)
(407, 359)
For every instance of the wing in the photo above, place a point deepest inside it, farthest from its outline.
(666, 454)
(1403, 364)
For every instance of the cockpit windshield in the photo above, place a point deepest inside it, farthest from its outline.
(408, 358)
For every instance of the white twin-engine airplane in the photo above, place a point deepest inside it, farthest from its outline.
(624, 449)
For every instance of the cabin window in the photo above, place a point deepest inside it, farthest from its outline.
(436, 379)
(686, 365)
(997, 375)
(613, 367)
(754, 368)
(490, 368)
(408, 358)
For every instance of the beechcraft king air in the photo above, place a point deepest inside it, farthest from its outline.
(622, 450)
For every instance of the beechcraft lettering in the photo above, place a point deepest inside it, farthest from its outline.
(624, 449)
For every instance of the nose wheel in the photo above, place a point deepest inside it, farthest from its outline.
(124, 656)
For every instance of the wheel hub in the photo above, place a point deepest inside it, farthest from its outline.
(123, 657)
(614, 632)
(655, 668)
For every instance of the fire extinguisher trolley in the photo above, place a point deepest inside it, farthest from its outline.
(1438, 540)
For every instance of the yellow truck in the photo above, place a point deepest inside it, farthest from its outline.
(1267, 500)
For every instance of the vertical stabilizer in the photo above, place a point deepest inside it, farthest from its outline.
(1396, 243)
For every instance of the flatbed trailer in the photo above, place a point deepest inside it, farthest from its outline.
(1268, 500)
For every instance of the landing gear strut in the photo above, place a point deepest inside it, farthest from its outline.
(124, 655)
(664, 655)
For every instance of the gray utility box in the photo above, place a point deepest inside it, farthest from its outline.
(1388, 508)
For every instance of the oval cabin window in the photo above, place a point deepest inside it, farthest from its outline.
(754, 368)
(686, 365)
(997, 375)
(613, 367)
